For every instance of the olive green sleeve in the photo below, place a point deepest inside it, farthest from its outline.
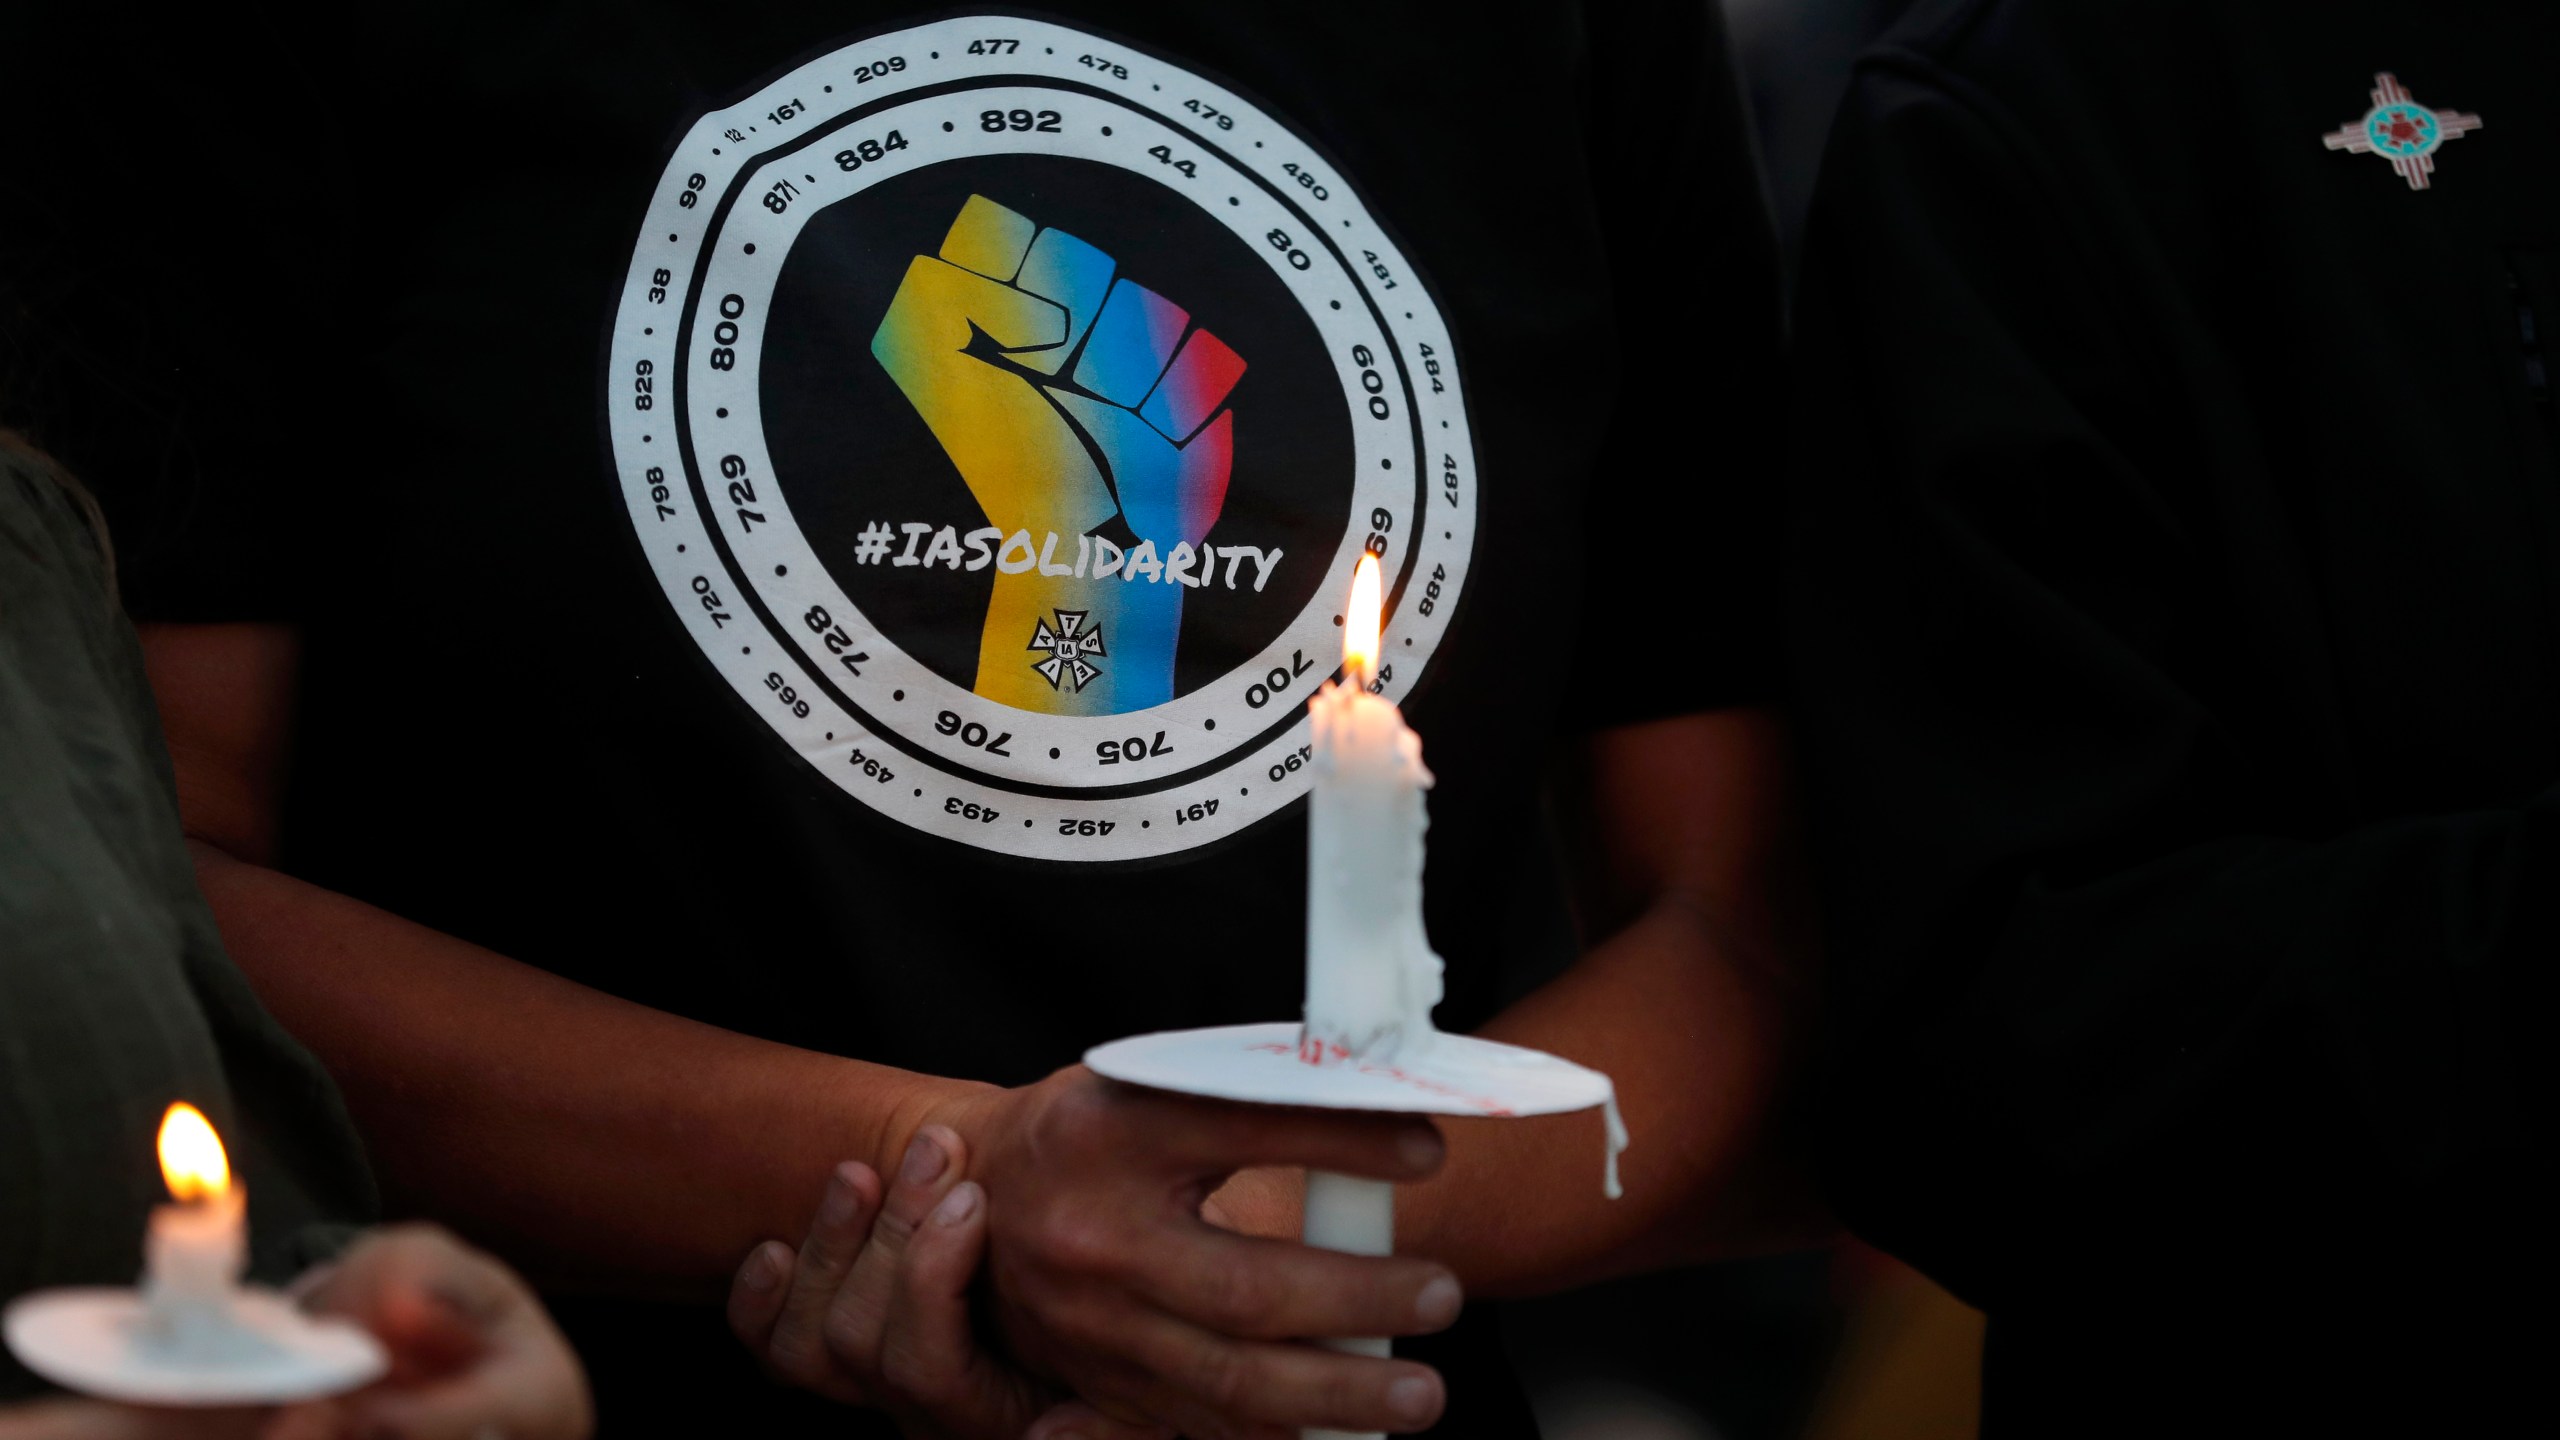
(116, 997)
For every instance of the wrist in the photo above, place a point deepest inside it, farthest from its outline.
(964, 1106)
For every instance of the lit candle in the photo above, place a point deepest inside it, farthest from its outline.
(198, 1246)
(1366, 1041)
(191, 1334)
(1372, 978)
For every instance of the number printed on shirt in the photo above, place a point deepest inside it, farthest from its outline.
(997, 121)
(862, 152)
(972, 734)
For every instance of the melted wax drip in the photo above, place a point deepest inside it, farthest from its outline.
(1615, 1144)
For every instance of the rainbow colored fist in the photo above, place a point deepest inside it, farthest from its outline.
(1066, 398)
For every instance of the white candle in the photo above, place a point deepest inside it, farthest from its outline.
(1372, 978)
(192, 1334)
(197, 1247)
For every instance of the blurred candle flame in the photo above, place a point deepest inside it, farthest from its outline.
(191, 1158)
(1360, 624)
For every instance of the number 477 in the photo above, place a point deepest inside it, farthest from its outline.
(994, 47)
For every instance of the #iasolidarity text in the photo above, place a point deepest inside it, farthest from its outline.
(1093, 558)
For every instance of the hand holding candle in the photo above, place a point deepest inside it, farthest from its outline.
(1366, 1042)
(1105, 1279)
(193, 1335)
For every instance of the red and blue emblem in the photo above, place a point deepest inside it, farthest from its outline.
(2402, 131)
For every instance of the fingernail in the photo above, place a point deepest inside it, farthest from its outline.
(958, 1206)
(1438, 1303)
(841, 1202)
(923, 1164)
(1421, 1148)
(764, 1270)
(1412, 1398)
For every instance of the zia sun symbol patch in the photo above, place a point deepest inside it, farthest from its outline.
(2402, 131)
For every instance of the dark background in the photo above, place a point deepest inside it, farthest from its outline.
(1829, 1345)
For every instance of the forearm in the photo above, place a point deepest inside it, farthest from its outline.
(591, 1138)
(1695, 1029)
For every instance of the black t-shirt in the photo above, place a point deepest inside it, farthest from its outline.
(824, 518)
(2181, 681)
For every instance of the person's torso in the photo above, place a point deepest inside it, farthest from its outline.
(834, 514)
(2332, 233)
(880, 617)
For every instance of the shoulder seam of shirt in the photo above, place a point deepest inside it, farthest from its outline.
(1906, 62)
(2015, 139)
(1982, 106)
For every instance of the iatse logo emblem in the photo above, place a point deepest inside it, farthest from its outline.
(1003, 409)
(1068, 647)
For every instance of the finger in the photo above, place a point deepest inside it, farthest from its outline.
(302, 1287)
(309, 1420)
(1075, 1420)
(988, 238)
(757, 1293)
(471, 1349)
(527, 1385)
(1194, 387)
(1063, 268)
(798, 1347)
(929, 1356)
(1280, 1290)
(1211, 1387)
(1211, 1137)
(1132, 339)
(429, 1298)
(753, 1316)
(1269, 1202)
(858, 1314)
(60, 1419)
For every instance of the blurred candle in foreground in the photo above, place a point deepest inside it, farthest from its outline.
(191, 1334)
(197, 1246)
(1372, 978)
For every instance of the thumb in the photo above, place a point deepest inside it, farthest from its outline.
(427, 1297)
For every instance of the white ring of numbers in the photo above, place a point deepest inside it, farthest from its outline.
(898, 736)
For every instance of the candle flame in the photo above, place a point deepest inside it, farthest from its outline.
(1360, 624)
(191, 1158)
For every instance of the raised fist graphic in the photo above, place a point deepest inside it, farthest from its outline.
(1067, 398)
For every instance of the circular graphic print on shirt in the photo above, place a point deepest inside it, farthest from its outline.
(1003, 410)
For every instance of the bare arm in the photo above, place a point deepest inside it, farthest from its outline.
(587, 1135)
(1692, 1003)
